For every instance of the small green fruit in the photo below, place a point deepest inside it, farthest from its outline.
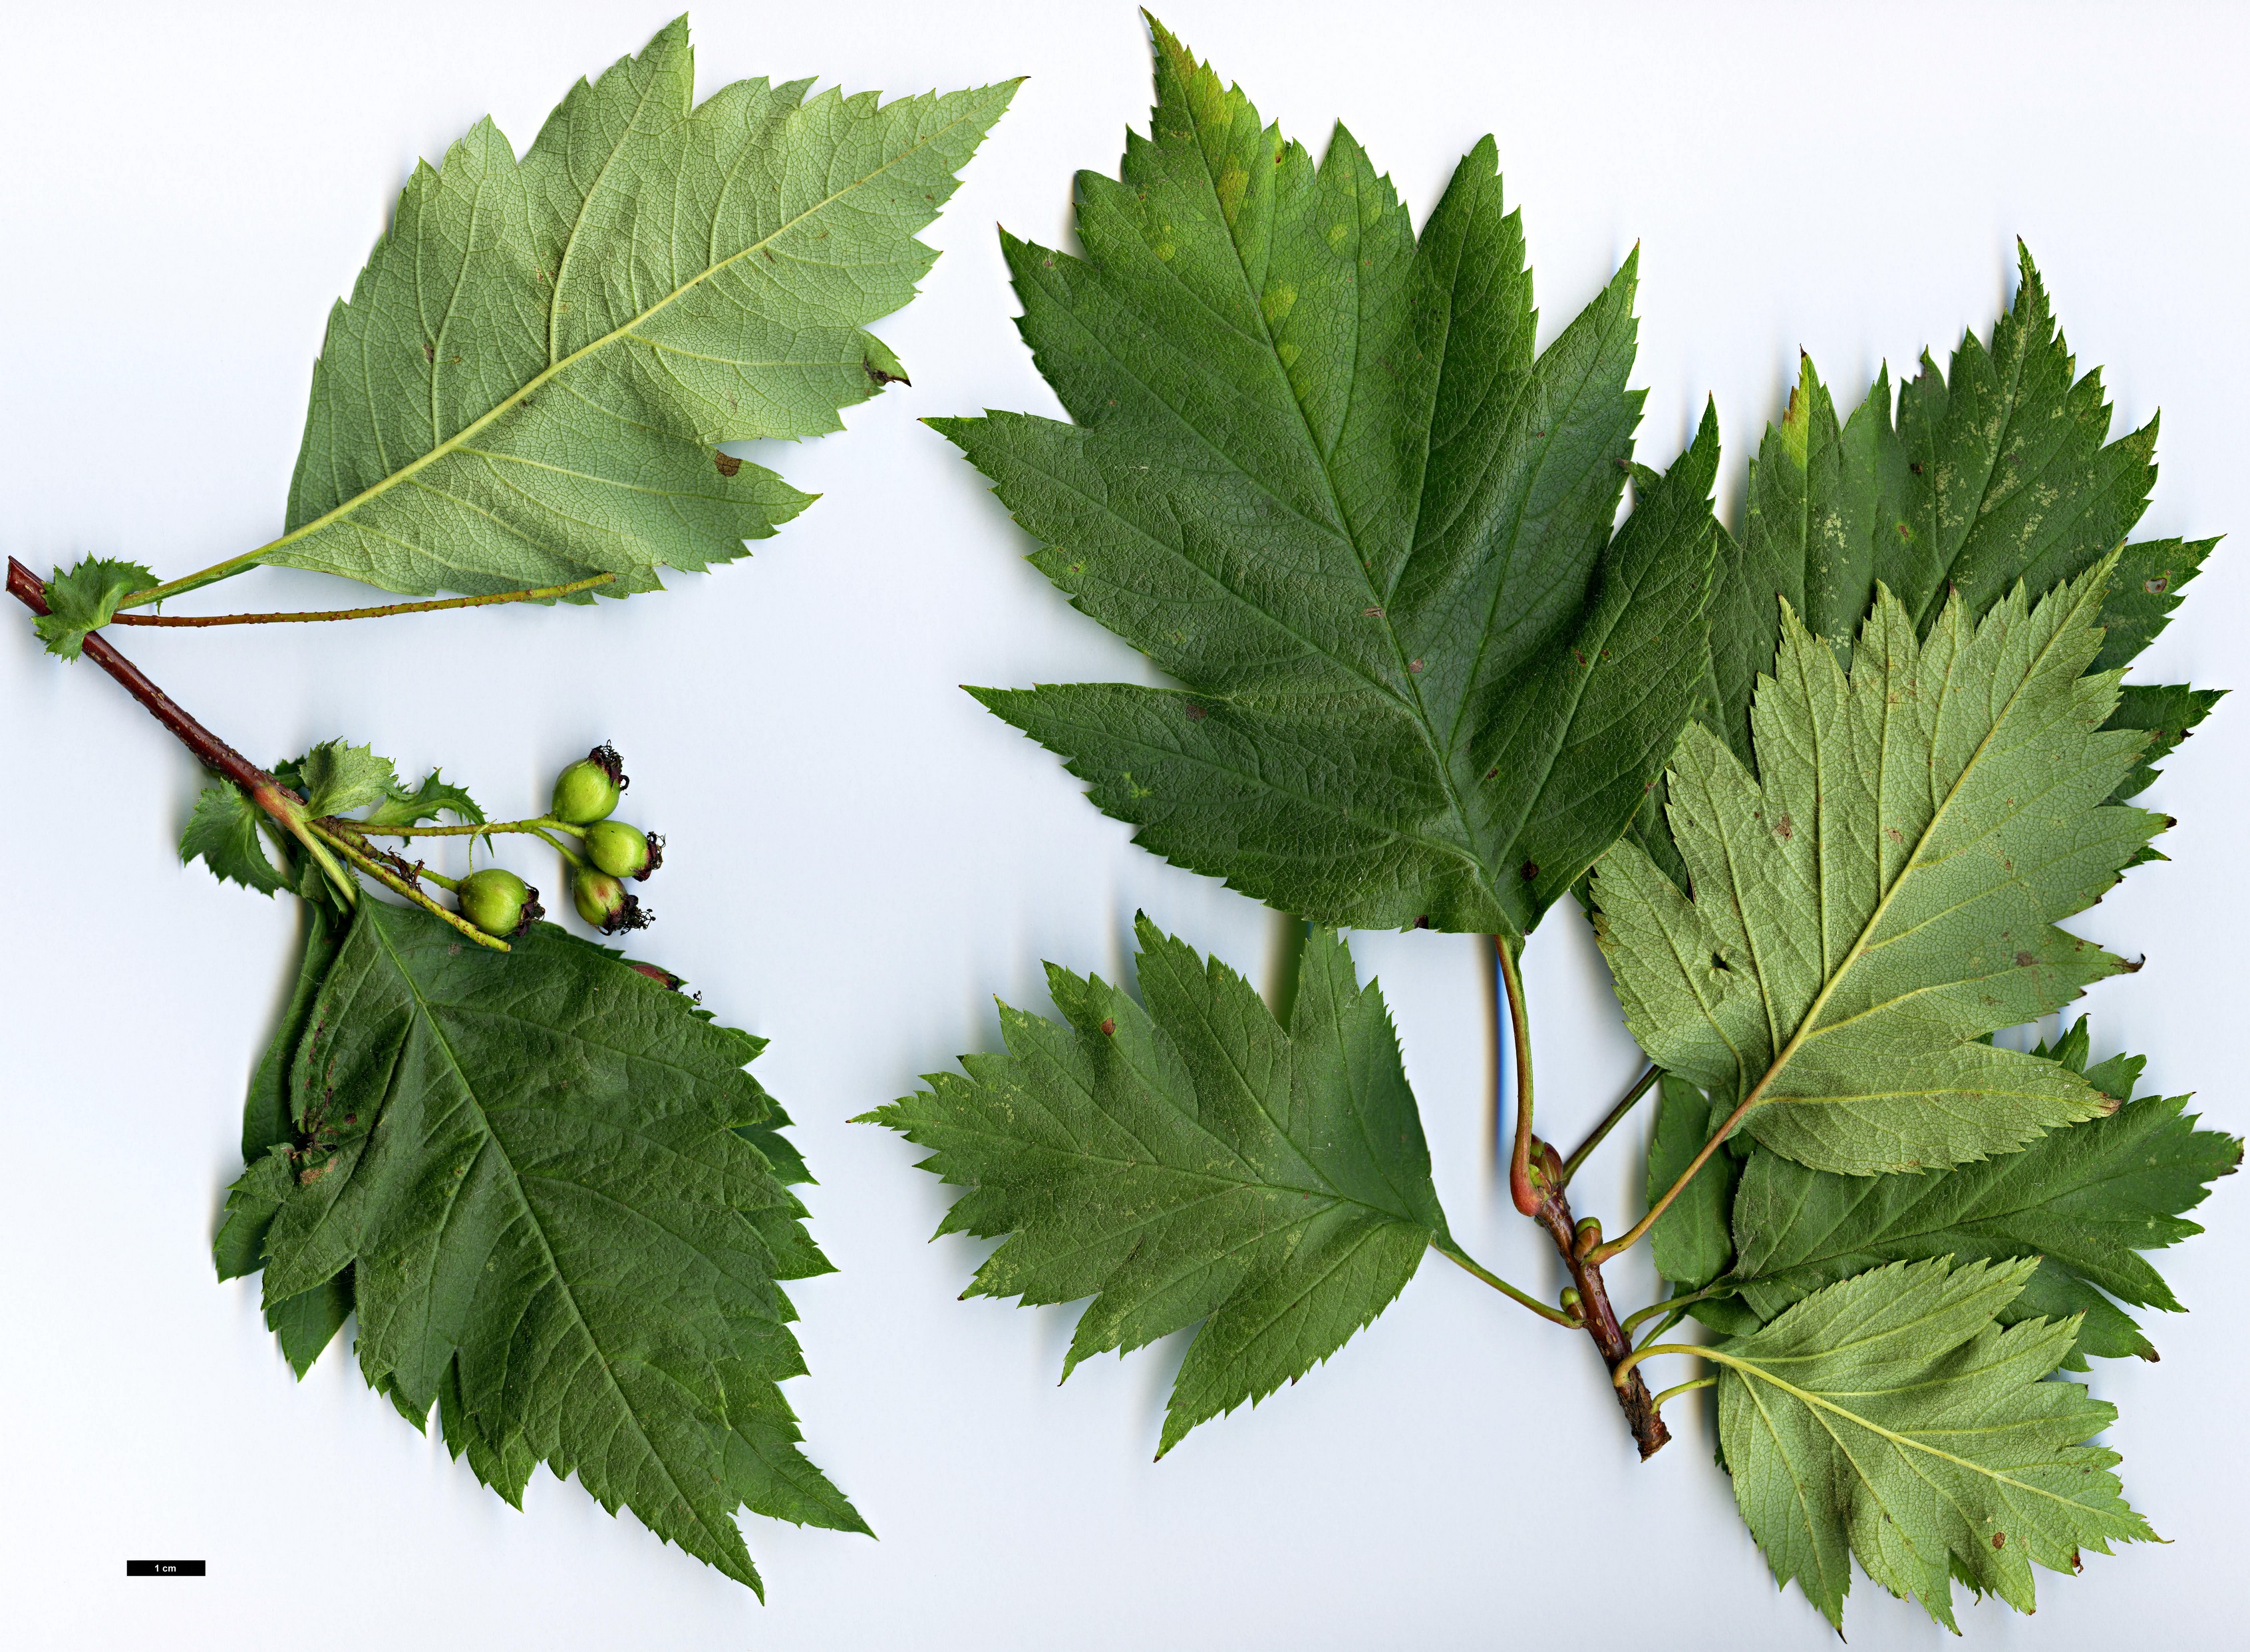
(604, 903)
(588, 790)
(624, 851)
(499, 902)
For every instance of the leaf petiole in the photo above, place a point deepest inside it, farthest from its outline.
(1668, 1311)
(1617, 1115)
(1519, 1034)
(1468, 1264)
(1681, 1389)
(537, 593)
(1635, 1233)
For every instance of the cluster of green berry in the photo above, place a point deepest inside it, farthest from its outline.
(586, 794)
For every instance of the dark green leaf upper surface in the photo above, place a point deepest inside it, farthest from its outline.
(2085, 1203)
(528, 383)
(536, 1172)
(1318, 472)
(1192, 1161)
(1892, 1418)
(1888, 890)
(1995, 473)
(85, 600)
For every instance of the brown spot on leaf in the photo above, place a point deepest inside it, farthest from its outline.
(1372, 613)
(1413, 664)
(1422, 923)
(1783, 828)
(1999, 1539)
(306, 1178)
(727, 463)
(1530, 869)
(1916, 467)
(2024, 960)
(2157, 587)
(1108, 1026)
(1196, 713)
(662, 977)
(1903, 533)
(882, 378)
(1892, 832)
(429, 352)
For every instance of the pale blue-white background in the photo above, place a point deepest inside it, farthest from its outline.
(862, 857)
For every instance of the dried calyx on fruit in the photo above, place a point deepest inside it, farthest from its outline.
(604, 903)
(624, 851)
(589, 789)
(499, 902)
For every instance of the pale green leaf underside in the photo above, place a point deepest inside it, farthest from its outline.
(1191, 1161)
(1319, 473)
(1892, 1419)
(2086, 1203)
(529, 380)
(1888, 892)
(524, 1170)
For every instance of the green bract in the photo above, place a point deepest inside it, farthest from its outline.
(1318, 473)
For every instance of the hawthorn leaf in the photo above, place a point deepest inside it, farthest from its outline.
(2084, 1203)
(1318, 473)
(1191, 1162)
(85, 600)
(530, 381)
(226, 832)
(1889, 892)
(529, 1167)
(1892, 1418)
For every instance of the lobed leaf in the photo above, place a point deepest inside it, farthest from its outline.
(1891, 1418)
(1318, 473)
(534, 1175)
(531, 378)
(1191, 1162)
(1888, 893)
(2083, 1203)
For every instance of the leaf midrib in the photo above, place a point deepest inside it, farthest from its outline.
(1807, 1026)
(374, 490)
(426, 1015)
(1818, 1402)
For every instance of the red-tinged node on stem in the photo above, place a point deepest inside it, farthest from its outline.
(624, 851)
(606, 903)
(588, 790)
(499, 902)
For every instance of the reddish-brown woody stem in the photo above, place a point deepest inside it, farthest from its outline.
(1554, 1214)
(211, 751)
